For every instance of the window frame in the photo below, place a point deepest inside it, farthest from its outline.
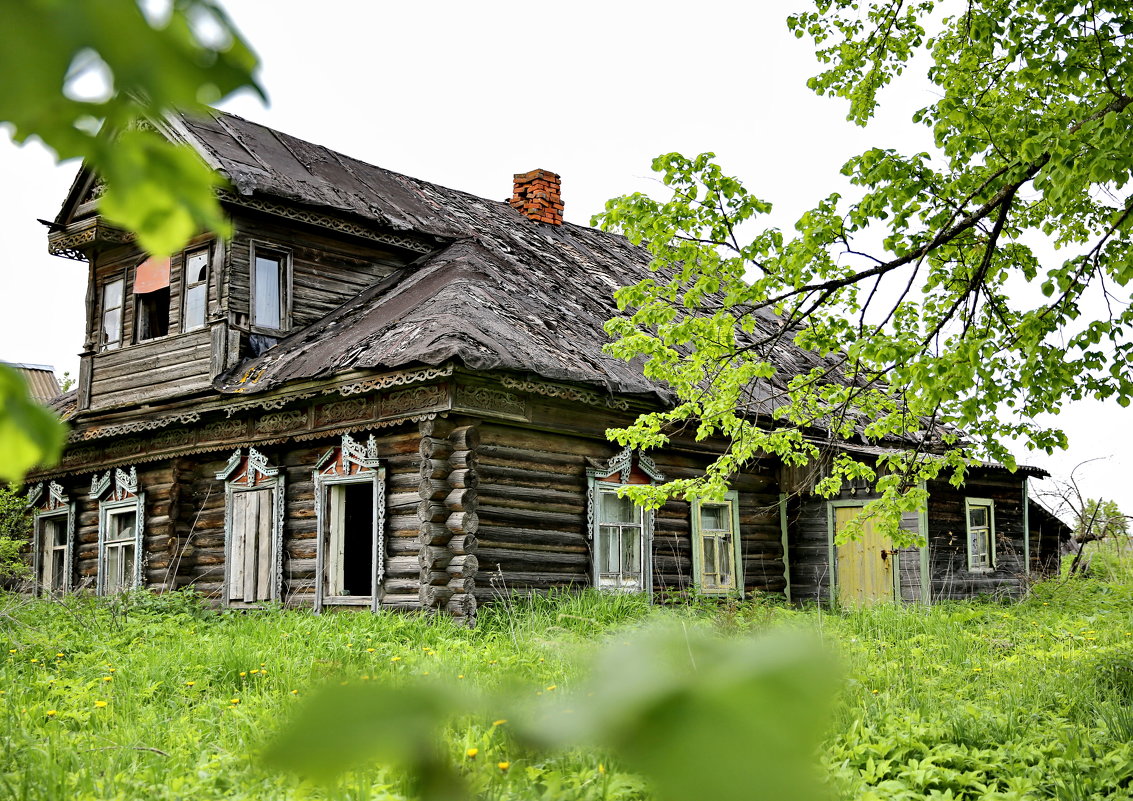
(186, 285)
(731, 501)
(124, 496)
(611, 488)
(991, 556)
(252, 473)
(118, 343)
(255, 249)
(349, 463)
(108, 510)
(610, 476)
(57, 505)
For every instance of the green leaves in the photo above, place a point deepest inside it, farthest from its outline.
(95, 80)
(30, 435)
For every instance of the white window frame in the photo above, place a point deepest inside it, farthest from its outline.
(348, 463)
(253, 474)
(285, 260)
(732, 503)
(973, 564)
(124, 496)
(610, 477)
(186, 285)
(56, 506)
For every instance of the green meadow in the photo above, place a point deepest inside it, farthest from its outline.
(160, 697)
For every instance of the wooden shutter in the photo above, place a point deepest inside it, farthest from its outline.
(250, 560)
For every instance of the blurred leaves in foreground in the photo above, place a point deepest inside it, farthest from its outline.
(29, 433)
(696, 715)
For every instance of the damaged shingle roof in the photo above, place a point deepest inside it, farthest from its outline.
(500, 293)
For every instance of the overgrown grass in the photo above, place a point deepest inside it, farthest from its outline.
(158, 698)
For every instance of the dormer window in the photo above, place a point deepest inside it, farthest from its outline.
(196, 284)
(270, 289)
(111, 335)
(151, 293)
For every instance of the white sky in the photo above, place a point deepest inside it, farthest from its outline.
(466, 94)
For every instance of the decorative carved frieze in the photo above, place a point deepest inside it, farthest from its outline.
(121, 484)
(565, 392)
(391, 380)
(416, 399)
(279, 422)
(223, 430)
(490, 400)
(133, 427)
(342, 411)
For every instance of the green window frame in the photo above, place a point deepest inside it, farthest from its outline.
(979, 521)
(717, 562)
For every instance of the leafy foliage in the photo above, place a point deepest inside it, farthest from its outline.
(928, 339)
(1100, 519)
(29, 433)
(15, 531)
(143, 64)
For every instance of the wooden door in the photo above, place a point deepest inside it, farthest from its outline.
(250, 562)
(865, 565)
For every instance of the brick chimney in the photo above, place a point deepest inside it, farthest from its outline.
(537, 195)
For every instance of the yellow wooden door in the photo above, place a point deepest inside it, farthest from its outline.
(865, 565)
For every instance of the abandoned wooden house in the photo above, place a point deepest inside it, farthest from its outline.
(383, 393)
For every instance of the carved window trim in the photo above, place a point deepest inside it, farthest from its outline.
(610, 476)
(253, 473)
(55, 505)
(350, 462)
(117, 490)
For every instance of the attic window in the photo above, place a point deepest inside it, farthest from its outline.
(196, 288)
(151, 292)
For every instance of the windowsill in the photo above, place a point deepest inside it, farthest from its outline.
(348, 600)
(981, 570)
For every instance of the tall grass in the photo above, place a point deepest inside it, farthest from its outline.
(157, 697)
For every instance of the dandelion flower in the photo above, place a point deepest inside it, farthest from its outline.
(553, 687)
(395, 659)
(294, 692)
(35, 660)
(51, 713)
(472, 752)
(190, 683)
(370, 650)
(503, 765)
(99, 704)
(263, 664)
(601, 768)
(59, 656)
(499, 722)
(254, 672)
(107, 678)
(243, 673)
(461, 676)
(112, 670)
(234, 701)
(12, 650)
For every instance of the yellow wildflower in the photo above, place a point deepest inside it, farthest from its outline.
(553, 687)
(472, 752)
(294, 692)
(499, 722)
(461, 676)
(503, 765)
(234, 701)
(51, 713)
(60, 656)
(601, 768)
(395, 659)
(12, 650)
(370, 650)
(99, 704)
(254, 672)
(190, 683)
(243, 673)
(107, 678)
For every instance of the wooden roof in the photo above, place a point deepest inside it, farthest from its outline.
(500, 292)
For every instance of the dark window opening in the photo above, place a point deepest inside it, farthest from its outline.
(153, 314)
(351, 551)
(269, 290)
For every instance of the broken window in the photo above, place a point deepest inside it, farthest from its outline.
(51, 574)
(269, 289)
(196, 289)
(110, 336)
(716, 552)
(350, 552)
(151, 297)
(981, 534)
(619, 543)
(350, 493)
